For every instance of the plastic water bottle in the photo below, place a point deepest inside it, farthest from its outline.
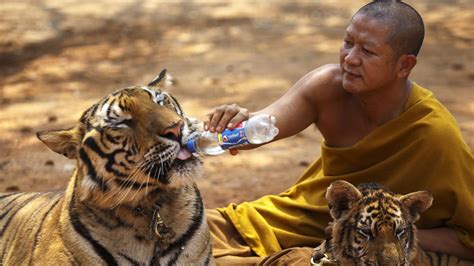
(257, 130)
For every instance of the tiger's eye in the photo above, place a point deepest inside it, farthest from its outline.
(125, 123)
(366, 232)
(399, 232)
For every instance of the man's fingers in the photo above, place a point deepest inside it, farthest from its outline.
(206, 122)
(237, 119)
(214, 118)
(226, 117)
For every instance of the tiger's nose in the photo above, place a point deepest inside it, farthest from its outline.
(390, 255)
(174, 131)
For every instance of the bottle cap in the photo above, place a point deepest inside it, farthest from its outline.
(191, 145)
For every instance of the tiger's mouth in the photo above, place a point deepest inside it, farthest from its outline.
(183, 153)
(169, 159)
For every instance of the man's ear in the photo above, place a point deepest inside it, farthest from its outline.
(340, 196)
(417, 202)
(61, 141)
(405, 64)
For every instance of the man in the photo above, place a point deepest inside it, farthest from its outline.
(378, 126)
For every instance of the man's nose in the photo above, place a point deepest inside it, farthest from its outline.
(352, 57)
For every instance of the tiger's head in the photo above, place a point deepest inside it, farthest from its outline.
(372, 225)
(129, 143)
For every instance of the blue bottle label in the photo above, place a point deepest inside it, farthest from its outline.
(192, 145)
(231, 138)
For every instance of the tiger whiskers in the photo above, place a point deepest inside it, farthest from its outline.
(147, 177)
(147, 181)
(129, 180)
(137, 191)
(161, 166)
(132, 180)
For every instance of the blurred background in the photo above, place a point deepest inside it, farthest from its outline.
(57, 57)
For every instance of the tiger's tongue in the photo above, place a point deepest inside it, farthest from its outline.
(184, 154)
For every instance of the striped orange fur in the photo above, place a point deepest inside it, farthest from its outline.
(374, 226)
(132, 199)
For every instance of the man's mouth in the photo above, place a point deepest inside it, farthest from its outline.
(351, 73)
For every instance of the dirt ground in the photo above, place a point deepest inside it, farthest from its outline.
(58, 57)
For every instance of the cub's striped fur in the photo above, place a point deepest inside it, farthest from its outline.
(132, 199)
(374, 226)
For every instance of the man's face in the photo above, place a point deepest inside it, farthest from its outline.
(367, 61)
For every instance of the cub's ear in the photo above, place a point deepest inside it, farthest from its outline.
(417, 202)
(61, 141)
(162, 81)
(341, 195)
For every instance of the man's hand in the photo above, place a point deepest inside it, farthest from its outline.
(225, 116)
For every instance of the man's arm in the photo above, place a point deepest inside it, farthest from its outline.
(294, 111)
(298, 107)
(294, 106)
(443, 240)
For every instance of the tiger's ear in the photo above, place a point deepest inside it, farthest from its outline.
(417, 202)
(61, 141)
(162, 81)
(340, 196)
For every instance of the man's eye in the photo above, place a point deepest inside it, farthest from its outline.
(347, 43)
(366, 51)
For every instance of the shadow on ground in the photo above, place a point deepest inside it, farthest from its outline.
(57, 59)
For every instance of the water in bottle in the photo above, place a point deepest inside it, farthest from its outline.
(257, 130)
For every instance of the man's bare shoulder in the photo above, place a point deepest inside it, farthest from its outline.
(328, 73)
(324, 84)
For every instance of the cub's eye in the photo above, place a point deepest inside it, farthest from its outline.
(366, 232)
(399, 232)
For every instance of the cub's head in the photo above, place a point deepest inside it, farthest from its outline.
(372, 225)
(129, 143)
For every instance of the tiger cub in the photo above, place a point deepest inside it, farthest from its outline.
(132, 199)
(374, 226)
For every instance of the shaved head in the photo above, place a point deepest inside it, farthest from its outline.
(407, 30)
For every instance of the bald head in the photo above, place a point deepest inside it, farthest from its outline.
(407, 30)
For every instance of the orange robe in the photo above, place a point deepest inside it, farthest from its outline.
(421, 149)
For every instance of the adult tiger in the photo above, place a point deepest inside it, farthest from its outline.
(132, 198)
(374, 226)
